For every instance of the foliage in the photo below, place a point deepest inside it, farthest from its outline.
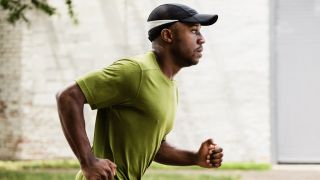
(17, 9)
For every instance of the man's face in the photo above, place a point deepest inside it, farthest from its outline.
(187, 43)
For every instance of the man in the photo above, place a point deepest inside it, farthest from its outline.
(136, 100)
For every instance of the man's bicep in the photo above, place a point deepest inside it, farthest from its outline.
(79, 94)
(75, 92)
(71, 94)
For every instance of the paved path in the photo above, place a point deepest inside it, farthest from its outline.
(278, 172)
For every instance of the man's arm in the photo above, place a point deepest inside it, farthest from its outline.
(70, 103)
(209, 155)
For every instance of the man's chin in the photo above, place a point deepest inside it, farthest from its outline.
(192, 63)
(196, 61)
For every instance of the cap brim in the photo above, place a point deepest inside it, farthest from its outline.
(203, 19)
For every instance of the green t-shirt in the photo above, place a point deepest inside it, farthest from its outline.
(136, 106)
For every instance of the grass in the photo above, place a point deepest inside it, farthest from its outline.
(66, 169)
(26, 175)
(225, 166)
(69, 175)
(39, 164)
(73, 164)
(187, 177)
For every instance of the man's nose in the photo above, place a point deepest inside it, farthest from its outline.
(201, 39)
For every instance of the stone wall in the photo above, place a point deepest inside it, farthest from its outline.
(225, 97)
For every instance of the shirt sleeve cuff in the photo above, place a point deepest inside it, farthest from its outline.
(86, 93)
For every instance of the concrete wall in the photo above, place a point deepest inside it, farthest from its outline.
(225, 97)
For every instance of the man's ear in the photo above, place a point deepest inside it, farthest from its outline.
(166, 35)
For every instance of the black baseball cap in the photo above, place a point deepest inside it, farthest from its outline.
(165, 15)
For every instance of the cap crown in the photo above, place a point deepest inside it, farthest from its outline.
(171, 12)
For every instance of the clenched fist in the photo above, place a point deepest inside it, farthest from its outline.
(210, 154)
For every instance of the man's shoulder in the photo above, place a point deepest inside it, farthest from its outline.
(135, 64)
(146, 61)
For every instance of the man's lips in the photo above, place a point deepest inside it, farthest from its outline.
(199, 49)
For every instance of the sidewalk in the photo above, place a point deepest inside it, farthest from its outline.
(283, 172)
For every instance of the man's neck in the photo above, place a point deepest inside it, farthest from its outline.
(166, 63)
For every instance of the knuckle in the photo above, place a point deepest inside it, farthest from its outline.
(104, 175)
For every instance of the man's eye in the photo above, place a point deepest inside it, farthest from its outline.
(194, 31)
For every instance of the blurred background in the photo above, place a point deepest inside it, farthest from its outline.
(255, 90)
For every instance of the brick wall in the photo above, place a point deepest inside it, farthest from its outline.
(10, 91)
(225, 97)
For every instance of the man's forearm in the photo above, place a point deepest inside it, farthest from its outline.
(70, 108)
(170, 155)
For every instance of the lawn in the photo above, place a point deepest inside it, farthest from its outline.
(69, 175)
(66, 169)
(39, 175)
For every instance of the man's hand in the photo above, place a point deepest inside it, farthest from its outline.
(100, 169)
(209, 155)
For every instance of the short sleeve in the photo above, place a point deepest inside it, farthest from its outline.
(116, 84)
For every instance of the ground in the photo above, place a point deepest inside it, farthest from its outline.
(66, 169)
